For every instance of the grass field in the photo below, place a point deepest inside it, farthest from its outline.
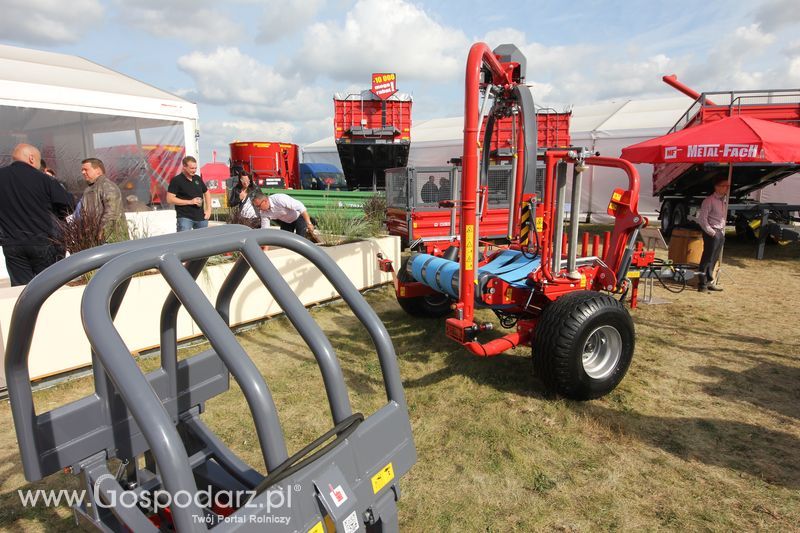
(702, 434)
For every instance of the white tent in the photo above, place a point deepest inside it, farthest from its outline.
(72, 108)
(603, 127)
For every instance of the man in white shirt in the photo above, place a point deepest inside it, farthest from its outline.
(290, 214)
(711, 218)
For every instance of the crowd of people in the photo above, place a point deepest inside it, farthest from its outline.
(431, 193)
(35, 208)
(32, 202)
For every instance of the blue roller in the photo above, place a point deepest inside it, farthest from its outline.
(435, 272)
(441, 275)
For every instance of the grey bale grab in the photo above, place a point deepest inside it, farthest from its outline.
(151, 422)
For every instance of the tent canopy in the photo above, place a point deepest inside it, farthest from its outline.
(72, 108)
(33, 78)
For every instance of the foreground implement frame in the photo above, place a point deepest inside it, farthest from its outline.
(151, 422)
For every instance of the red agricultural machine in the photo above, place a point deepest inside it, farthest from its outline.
(551, 297)
(414, 194)
(274, 165)
(372, 133)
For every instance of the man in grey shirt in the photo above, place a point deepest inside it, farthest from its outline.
(711, 218)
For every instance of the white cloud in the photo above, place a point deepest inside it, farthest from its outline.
(738, 63)
(583, 72)
(217, 135)
(794, 70)
(744, 58)
(250, 88)
(44, 22)
(776, 14)
(194, 21)
(749, 39)
(284, 17)
(384, 36)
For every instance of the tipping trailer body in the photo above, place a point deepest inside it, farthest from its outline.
(372, 134)
(681, 187)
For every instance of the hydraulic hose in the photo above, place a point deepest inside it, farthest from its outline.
(530, 132)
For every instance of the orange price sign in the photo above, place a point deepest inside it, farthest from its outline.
(384, 84)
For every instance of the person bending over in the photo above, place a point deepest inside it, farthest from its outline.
(290, 214)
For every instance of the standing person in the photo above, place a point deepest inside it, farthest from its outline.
(444, 189)
(711, 218)
(29, 202)
(290, 213)
(102, 200)
(430, 192)
(242, 197)
(190, 196)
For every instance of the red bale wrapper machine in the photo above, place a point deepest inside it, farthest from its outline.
(552, 298)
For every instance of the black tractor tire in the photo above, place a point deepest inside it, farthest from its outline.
(583, 345)
(429, 306)
(666, 218)
(680, 215)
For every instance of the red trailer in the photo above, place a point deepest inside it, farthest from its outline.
(274, 165)
(372, 134)
(681, 187)
(419, 219)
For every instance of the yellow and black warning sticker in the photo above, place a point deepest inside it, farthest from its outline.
(382, 478)
(469, 247)
(524, 227)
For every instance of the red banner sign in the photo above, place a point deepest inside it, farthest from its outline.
(384, 85)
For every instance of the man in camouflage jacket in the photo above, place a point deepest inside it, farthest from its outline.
(103, 199)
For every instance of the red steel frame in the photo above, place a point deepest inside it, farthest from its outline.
(624, 207)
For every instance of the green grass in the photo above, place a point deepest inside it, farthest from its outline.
(702, 434)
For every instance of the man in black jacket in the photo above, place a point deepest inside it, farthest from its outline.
(29, 201)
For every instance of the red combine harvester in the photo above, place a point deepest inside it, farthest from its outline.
(552, 297)
(414, 212)
(274, 165)
(681, 187)
(372, 133)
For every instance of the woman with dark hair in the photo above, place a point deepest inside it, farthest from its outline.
(242, 197)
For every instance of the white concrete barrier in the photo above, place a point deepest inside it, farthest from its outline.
(60, 345)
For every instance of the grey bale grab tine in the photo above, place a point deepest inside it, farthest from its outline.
(151, 423)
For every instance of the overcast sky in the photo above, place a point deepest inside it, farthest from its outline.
(267, 69)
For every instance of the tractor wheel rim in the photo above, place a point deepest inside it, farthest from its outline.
(602, 352)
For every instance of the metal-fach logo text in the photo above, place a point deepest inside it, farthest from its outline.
(729, 152)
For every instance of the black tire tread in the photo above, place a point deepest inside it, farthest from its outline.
(556, 330)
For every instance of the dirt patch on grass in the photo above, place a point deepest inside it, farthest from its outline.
(703, 433)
